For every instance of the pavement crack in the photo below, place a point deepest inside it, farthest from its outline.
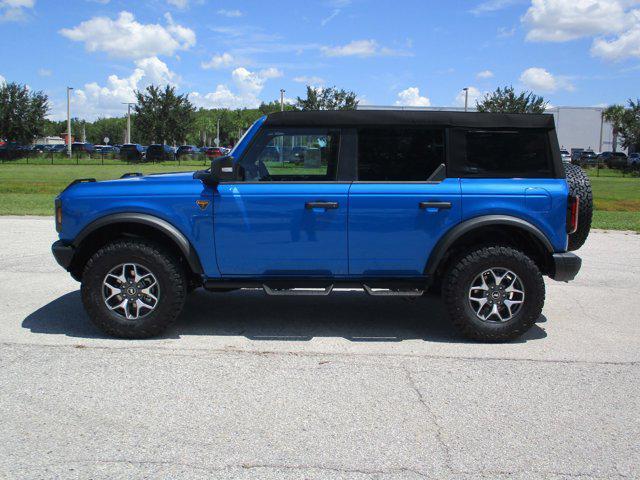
(434, 419)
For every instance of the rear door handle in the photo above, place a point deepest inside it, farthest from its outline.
(325, 205)
(438, 205)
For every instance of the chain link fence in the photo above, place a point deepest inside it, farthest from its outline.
(18, 157)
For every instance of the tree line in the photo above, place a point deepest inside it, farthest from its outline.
(161, 115)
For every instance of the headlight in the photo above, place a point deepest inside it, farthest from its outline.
(58, 208)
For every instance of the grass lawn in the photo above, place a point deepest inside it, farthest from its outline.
(30, 189)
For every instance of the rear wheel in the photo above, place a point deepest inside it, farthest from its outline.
(494, 293)
(133, 289)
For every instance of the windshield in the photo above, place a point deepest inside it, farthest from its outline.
(241, 146)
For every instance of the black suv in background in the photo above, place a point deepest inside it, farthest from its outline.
(80, 147)
(613, 159)
(183, 150)
(132, 152)
(159, 153)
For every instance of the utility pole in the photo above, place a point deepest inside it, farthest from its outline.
(69, 121)
(466, 97)
(128, 104)
(282, 90)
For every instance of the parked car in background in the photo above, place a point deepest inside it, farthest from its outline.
(214, 152)
(159, 153)
(575, 154)
(132, 152)
(107, 150)
(80, 147)
(613, 159)
(190, 150)
(58, 148)
(588, 158)
(565, 155)
(634, 159)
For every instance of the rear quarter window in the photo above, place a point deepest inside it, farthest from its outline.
(509, 153)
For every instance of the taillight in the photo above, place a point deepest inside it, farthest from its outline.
(573, 203)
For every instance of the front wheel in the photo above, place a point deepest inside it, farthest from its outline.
(494, 293)
(133, 289)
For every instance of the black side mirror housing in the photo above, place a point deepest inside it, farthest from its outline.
(222, 169)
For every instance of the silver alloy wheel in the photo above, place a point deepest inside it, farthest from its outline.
(130, 291)
(496, 295)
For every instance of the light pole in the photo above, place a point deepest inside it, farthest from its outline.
(128, 104)
(69, 121)
(466, 97)
(218, 132)
(282, 90)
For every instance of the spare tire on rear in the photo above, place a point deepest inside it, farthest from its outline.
(580, 186)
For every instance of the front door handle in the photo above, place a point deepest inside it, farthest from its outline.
(325, 205)
(438, 205)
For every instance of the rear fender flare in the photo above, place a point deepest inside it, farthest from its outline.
(443, 245)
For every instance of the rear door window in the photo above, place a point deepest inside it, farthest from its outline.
(501, 154)
(401, 154)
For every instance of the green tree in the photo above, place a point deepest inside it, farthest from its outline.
(614, 114)
(329, 98)
(162, 116)
(22, 113)
(113, 128)
(630, 125)
(505, 100)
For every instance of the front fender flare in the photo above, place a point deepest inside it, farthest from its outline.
(165, 227)
(443, 245)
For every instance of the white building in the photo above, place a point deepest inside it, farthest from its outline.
(577, 127)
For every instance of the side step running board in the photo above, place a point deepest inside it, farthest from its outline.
(386, 292)
(297, 291)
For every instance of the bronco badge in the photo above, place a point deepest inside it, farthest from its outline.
(202, 204)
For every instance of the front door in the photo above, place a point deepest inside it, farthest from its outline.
(398, 208)
(288, 215)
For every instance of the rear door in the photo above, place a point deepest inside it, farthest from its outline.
(288, 216)
(397, 212)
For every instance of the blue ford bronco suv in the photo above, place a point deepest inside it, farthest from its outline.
(477, 206)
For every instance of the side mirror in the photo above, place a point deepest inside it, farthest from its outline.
(222, 169)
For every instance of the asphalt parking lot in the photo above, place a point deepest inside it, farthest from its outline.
(345, 386)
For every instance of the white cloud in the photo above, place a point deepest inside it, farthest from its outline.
(2, 80)
(484, 74)
(333, 15)
(229, 13)
(309, 80)
(473, 96)
(125, 37)
(182, 4)
(94, 100)
(248, 84)
(492, 6)
(411, 98)
(219, 61)
(539, 79)
(14, 10)
(625, 46)
(44, 72)
(560, 20)
(615, 24)
(361, 48)
(504, 32)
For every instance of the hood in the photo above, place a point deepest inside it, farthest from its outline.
(153, 184)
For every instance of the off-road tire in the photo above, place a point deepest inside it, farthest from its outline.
(457, 283)
(580, 185)
(165, 267)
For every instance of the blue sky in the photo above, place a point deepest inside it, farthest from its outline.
(404, 52)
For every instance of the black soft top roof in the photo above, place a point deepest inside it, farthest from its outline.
(356, 118)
